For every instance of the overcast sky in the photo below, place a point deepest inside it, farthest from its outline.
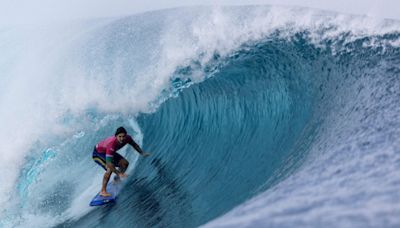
(25, 11)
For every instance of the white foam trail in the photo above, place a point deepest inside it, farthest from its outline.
(44, 83)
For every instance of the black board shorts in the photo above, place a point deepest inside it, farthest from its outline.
(100, 159)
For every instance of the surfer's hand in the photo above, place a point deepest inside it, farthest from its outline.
(144, 154)
(123, 175)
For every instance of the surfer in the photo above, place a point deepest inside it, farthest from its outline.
(105, 154)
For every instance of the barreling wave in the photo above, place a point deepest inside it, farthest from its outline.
(236, 105)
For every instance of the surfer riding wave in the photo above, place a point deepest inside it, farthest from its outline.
(105, 154)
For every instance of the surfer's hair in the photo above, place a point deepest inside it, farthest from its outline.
(120, 130)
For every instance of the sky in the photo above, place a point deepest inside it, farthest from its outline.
(38, 11)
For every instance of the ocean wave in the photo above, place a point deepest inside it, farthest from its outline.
(290, 110)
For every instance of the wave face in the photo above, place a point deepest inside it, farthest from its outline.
(251, 120)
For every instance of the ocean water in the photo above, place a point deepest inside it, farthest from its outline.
(255, 116)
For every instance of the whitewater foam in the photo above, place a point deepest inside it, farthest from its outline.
(54, 83)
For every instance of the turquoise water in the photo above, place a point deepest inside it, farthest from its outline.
(275, 123)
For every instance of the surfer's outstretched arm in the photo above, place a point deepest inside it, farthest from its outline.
(138, 149)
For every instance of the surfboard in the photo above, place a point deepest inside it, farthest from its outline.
(112, 188)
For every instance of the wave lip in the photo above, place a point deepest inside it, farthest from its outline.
(281, 98)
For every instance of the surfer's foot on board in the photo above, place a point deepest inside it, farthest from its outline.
(105, 194)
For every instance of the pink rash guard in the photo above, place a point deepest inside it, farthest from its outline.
(110, 145)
